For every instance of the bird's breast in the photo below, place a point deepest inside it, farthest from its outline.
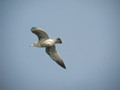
(48, 43)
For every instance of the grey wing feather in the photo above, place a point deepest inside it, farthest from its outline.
(52, 52)
(40, 33)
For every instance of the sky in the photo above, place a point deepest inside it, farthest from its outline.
(89, 30)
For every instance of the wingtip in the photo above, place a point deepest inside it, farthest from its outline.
(61, 64)
(33, 28)
(36, 29)
(64, 66)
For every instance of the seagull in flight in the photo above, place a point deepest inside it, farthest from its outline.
(49, 44)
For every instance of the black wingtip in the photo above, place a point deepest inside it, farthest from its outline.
(64, 66)
(61, 64)
(33, 28)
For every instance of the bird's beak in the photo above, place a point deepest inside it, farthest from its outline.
(31, 45)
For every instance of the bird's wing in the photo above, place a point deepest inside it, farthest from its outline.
(42, 35)
(52, 52)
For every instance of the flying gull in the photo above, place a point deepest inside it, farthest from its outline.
(49, 44)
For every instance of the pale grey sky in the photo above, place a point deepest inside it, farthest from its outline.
(90, 32)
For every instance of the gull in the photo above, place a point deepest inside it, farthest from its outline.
(49, 44)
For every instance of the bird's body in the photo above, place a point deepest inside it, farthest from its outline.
(46, 43)
(49, 44)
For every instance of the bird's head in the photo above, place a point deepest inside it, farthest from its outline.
(34, 44)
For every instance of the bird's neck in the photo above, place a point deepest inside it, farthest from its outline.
(37, 44)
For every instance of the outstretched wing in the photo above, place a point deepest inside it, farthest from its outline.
(42, 35)
(52, 52)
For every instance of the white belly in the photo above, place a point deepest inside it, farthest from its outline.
(48, 43)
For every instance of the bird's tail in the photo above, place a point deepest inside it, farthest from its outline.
(58, 40)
